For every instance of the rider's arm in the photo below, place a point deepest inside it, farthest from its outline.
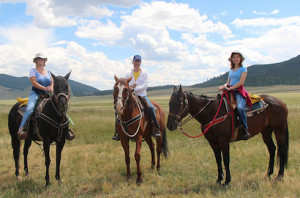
(143, 84)
(36, 84)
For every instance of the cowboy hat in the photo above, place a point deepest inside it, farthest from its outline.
(236, 52)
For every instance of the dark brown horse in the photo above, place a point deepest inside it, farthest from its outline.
(52, 126)
(274, 118)
(132, 124)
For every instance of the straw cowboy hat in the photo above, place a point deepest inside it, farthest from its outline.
(39, 55)
(236, 52)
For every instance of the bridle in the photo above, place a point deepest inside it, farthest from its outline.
(56, 96)
(185, 110)
(183, 102)
(59, 126)
(125, 124)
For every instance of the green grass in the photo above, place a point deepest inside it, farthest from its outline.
(93, 165)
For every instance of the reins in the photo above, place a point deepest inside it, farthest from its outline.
(59, 126)
(131, 121)
(213, 122)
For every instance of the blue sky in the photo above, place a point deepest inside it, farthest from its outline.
(181, 42)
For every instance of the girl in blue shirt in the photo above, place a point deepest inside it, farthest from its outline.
(236, 79)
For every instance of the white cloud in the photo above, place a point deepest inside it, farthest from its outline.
(294, 20)
(264, 13)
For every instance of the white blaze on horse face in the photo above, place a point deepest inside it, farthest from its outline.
(119, 102)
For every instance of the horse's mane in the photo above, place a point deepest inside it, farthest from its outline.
(202, 96)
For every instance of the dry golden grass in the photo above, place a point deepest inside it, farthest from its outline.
(93, 165)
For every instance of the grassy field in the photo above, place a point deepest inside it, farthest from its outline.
(93, 165)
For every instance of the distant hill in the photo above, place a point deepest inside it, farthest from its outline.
(11, 87)
(283, 73)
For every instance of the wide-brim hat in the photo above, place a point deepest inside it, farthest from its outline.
(39, 55)
(236, 52)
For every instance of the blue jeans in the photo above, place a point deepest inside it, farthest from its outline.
(30, 108)
(151, 107)
(241, 103)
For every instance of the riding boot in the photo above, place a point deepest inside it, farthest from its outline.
(70, 135)
(116, 136)
(245, 134)
(155, 126)
(22, 133)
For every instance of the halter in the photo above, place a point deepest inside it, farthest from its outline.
(123, 100)
(183, 109)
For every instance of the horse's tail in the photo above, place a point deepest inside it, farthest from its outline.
(164, 143)
(286, 148)
(12, 121)
(283, 151)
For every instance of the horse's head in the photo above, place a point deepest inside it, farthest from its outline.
(121, 94)
(61, 92)
(178, 108)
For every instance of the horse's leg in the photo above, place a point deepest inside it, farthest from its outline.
(137, 156)
(218, 156)
(151, 147)
(15, 143)
(59, 148)
(158, 152)
(125, 145)
(25, 153)
(226, 160)
(282, 151)
(46, 144)
(267, 137)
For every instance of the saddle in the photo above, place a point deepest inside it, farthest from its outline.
(258, 104)
(31, 125)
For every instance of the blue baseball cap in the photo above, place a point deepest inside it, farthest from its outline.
(137, 58)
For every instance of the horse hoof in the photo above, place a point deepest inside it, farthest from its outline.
(139, 181)
(219, 181)
(279, 178)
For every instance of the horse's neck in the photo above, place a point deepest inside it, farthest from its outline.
(51, 110)
(131, 108)
(197, 103)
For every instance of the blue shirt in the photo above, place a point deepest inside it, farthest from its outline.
(235, 76)
(44, 80)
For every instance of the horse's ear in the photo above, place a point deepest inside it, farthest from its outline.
(116, 78)
(53, 76)
(68, 75)
(129, 79)
(180, 89)
(174, 89)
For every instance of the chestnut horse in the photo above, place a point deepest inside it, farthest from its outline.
(133, 124)
(204, 108)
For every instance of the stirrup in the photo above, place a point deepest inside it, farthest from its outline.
(245, 135)
(156, 134)
(70, 135)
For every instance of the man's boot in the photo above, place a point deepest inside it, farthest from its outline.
(245, 134)
(116, 136)
(155, 127)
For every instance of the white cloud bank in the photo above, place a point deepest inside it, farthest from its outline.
(177, 42)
